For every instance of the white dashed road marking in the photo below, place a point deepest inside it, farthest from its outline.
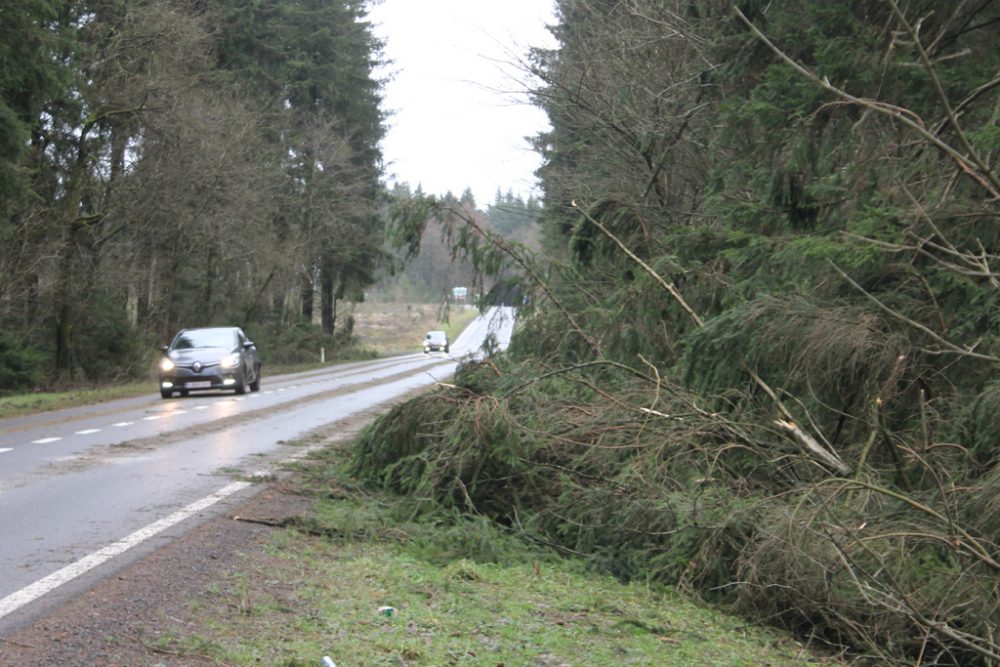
(88, 431)
(44, 441)
(121, 424)
(5, 449)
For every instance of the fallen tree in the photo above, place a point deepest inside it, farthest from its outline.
(757, 360)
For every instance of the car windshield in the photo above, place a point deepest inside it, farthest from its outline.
(436, 335)
(186, 340)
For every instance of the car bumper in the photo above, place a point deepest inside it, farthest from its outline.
(198, 382)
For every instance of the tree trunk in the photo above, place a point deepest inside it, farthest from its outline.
(326, 297)
(67, 249)
(307, 294)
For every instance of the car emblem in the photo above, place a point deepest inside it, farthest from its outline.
(197, 367)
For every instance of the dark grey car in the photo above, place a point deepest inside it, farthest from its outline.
(210, 358)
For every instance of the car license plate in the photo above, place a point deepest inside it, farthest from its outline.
(205, 384)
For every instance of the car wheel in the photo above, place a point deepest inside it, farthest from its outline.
(255, 385)
(185, 393)
(166, 393)
(446, 348)
(241, 384)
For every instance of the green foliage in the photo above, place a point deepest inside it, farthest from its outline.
(303, 343)
(21, 367)
(977, 426)
(825, 348)
(449, 462)
(987, 138)
(787, 567)
(510, 215)
(106, 347)
(29, 75)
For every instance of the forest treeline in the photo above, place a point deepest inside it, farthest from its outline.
(176, 163)
(758, 356)
(171, 163)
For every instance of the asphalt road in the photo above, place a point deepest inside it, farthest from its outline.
(87, 490)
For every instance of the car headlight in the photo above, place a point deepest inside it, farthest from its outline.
(232, 361)
(166, 364)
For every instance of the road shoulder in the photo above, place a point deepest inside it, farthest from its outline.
(119, 621)
(127, 618)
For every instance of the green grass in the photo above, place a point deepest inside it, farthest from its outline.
(461, 592)
(21, 404)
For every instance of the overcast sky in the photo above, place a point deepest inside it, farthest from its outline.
(457, 120)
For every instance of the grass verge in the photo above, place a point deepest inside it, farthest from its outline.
(359, 582)
(22, 404)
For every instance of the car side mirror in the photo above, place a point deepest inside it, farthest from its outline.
(247, 345)
(164, 348)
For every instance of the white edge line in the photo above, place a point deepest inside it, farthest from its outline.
(49, 583)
